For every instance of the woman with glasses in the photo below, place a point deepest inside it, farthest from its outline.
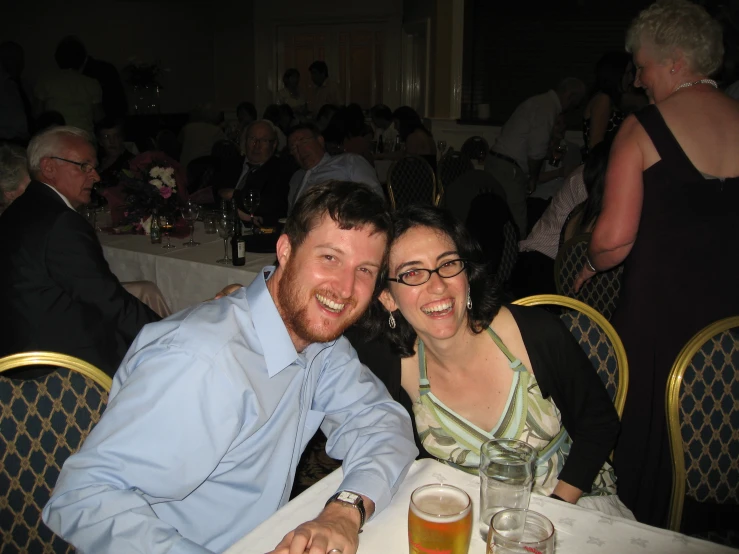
(470, 370)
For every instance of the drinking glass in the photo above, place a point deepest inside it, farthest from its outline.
(166, 222)
(209, 222)
(439, 520)
(225, 228)
(191, 212)
(441, 145)
(506, 477)
(251, 203)
(519, 531)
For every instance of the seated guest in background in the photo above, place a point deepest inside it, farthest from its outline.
(603, 114)
(263, 172)
(534, 271)
(291, 95)
(357, 134)
(13, 173)
(13, 121)
(200, 134)
(316, 166)
(211, 409)
(463, 364)
(67, 91)
(325, 115)
(276, 116)
(519, 152)
(112, 155)
(384, 130)
(245, 114)
(324, 90)
(415, 138)
(56, 288)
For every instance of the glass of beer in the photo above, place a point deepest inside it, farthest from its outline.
(518, 531)
(439, 520)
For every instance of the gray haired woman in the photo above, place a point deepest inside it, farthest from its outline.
(13, 173)
(671, 215)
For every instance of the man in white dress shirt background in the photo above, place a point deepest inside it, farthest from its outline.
(517, 156)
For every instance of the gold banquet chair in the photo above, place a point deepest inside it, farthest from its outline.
(702, 420)
(42, 422)
(451, 167)
(410, 180)
(598, 339)
(601, 291)
(476, 148)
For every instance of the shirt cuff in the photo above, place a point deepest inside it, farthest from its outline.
(369, 485)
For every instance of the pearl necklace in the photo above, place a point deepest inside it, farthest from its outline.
(711, 82)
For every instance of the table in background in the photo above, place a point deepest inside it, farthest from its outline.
(577, 530)
(184, 275)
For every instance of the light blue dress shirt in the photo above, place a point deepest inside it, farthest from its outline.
(344, 167)
(207, 418)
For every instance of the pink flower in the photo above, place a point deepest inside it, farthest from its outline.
(166, 192)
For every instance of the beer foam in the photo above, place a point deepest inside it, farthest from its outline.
(441, 504)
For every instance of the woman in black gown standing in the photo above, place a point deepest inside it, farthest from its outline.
(671, 214)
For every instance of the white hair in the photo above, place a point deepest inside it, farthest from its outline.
(245, 132)
(13, 167)
(48, 143)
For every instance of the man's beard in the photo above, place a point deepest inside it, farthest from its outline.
(294, 309)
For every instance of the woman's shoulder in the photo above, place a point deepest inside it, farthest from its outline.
(599, 102)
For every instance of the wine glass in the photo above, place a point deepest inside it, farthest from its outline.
(191, 212)
(224, 224)
(251, 202)
(441, 145)
(166, 222)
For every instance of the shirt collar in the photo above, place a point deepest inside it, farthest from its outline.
(555, 99)
(279, 350)
(60, 195)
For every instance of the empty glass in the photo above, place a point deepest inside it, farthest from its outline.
(191, 213)
(225, 229)
(506, 478)
(251, 203)
(518, 531)
(166, 222)
(209, 222)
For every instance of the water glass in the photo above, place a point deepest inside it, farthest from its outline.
(191, 212)
(439, 520)
(209, 222)
(225, 230)
(507, 470)
(518, 531)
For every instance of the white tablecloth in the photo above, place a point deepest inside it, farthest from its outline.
(184, 275)
(577, 530)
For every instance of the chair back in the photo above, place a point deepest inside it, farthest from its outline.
(452, 166)
(410, 180)
(601, 291)
(702, 416)
(476, 148)
(201, 173)
(460, 197)
(42, 422)
(598, 339)
(489, 221)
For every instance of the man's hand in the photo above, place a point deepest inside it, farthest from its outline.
(337, 527)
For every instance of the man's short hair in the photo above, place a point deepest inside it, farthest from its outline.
(315, 131)
(248, 128)
(13, 167)
(48, 143)
(108, 122)
(319, 66)
(350, 205)
(292, 72)
(381, 111)
(249, 107)
(70, 53)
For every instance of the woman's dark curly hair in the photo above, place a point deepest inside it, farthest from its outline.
(484, 297)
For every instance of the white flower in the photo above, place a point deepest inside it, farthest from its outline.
(168, 180)
(168, 171)
(156, 171)
(157, 183)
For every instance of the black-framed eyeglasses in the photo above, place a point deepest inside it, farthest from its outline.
(84, 166)
(415, 277)
(253, 141)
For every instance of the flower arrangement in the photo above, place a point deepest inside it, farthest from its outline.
(149, 184)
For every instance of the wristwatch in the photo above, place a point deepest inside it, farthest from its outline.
(350, 499)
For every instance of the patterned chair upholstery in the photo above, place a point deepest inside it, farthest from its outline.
(702, 419)
(601, 292)
(452, 166)
(597, 338)
(476, 148)
(410, 180)
(509, 254)
(42, 422)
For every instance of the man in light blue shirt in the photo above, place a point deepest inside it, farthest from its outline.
(308, 148)
(212, 407)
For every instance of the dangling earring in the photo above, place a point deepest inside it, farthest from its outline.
(469, 300)
(672, 70)
(391, 321)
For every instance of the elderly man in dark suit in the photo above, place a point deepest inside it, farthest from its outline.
(57, 292)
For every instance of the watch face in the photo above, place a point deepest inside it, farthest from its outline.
(346, 496)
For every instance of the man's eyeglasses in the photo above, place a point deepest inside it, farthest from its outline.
(84, 166)
(415, 277)
(253, 141)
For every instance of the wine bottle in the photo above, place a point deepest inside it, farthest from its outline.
(238, 244)
(155, 231)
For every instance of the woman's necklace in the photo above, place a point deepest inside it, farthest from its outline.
(711, 82)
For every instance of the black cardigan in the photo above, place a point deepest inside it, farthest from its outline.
(563, 372)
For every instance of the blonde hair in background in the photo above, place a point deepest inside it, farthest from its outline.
(13, 167)
(48, 143)
(668, 25)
